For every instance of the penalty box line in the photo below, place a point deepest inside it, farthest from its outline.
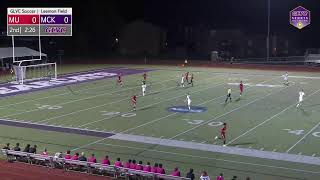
(86, 89)
(68, 102)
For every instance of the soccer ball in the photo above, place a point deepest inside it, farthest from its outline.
(216, 137)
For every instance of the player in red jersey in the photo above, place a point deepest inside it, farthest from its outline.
(134, 102)
(223, 133)
(241, 88)
(119, 81)
(144, 78)
(187, 77)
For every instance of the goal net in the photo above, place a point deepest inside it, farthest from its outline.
(35, 72)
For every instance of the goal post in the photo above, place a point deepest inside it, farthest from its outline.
(45, 71)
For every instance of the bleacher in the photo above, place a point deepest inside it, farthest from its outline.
(83, 166)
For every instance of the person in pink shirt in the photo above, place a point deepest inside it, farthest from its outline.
(67, 156)
(105, 161)
(139, 166)
(147, 168)
(127, 164)
(118, 163)
(175, 172)
(133, 164)
(92, 159)
(154, 169)
(75, 156)
(220, 177)
(161, 170)
(44, 153)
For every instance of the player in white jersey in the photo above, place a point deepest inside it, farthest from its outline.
(285, 78)
(301, 94)
(182, 81)
(144, 87)
(188, 100)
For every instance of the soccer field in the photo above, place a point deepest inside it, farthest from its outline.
(267, 137)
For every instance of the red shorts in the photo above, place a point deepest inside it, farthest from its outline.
(223, 135)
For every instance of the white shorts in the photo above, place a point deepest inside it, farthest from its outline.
(143, 89)
(300, 99)
(189, 102)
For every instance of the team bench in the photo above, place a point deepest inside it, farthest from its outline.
(83, 166)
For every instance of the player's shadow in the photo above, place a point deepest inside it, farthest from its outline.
(238, 99)
(311, 105)
(146, 108)
(156, 92)
(304, 112)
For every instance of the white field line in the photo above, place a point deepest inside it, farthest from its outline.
(130, 129)
(235, 109)
(151, 105)
(94, 107)
(210, 158)
(86, 89)
(315, 127)
(155, 120)
(269, 119)
(13, 109)
(67, 102)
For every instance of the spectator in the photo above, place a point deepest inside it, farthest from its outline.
(26, 149)
(92, 159)
(133, 164)
(118, 163)
(45, 153)
(147, 168)
(154, 168)
(33, 149)
(234, 178)
(75, 156)
(106, 161)
(175, 172)
(204, 176)
(82, 157)
(67, 156)
(190, 174)
(139, 166)
(17, 148)
(127, 164)
(220, 177)
(58, 155)
(7, 146)
(161, 170)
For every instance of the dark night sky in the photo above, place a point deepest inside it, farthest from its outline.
(248, 15)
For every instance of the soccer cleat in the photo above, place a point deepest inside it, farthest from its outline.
(224, 145)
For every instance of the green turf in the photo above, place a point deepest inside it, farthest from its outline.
(261, 118)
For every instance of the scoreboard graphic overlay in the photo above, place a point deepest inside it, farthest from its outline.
(39, 21)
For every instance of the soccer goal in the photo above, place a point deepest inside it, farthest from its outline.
(45, 71)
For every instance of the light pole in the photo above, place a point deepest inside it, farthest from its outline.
(268, 31)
